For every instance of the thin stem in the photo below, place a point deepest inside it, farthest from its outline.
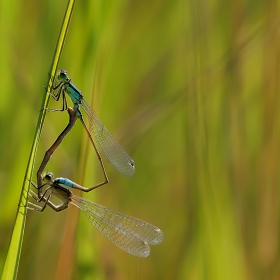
(13, 256)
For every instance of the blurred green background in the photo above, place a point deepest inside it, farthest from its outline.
(190, 90)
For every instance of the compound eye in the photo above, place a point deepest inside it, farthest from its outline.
(48, 176)
(62, 75)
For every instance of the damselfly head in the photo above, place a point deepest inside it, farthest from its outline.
(62, 75)
(48, 177)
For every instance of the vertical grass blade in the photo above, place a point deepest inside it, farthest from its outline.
(14, 251)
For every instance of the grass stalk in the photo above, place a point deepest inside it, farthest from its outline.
(14, 251)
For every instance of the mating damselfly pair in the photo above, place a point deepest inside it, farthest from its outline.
(128, 233)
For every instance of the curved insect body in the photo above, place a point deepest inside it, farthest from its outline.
(130, 234)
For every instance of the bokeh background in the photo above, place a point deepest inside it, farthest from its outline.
(190, 90)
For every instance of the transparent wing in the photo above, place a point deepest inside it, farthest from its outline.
(108, 144)
(128, 233)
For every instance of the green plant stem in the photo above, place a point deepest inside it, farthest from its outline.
(14, 251)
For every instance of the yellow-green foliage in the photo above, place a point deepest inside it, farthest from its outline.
(190, 90)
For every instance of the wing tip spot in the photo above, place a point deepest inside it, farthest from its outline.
(131, 163)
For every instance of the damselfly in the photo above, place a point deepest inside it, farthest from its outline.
(97, 132)
(130, 234)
